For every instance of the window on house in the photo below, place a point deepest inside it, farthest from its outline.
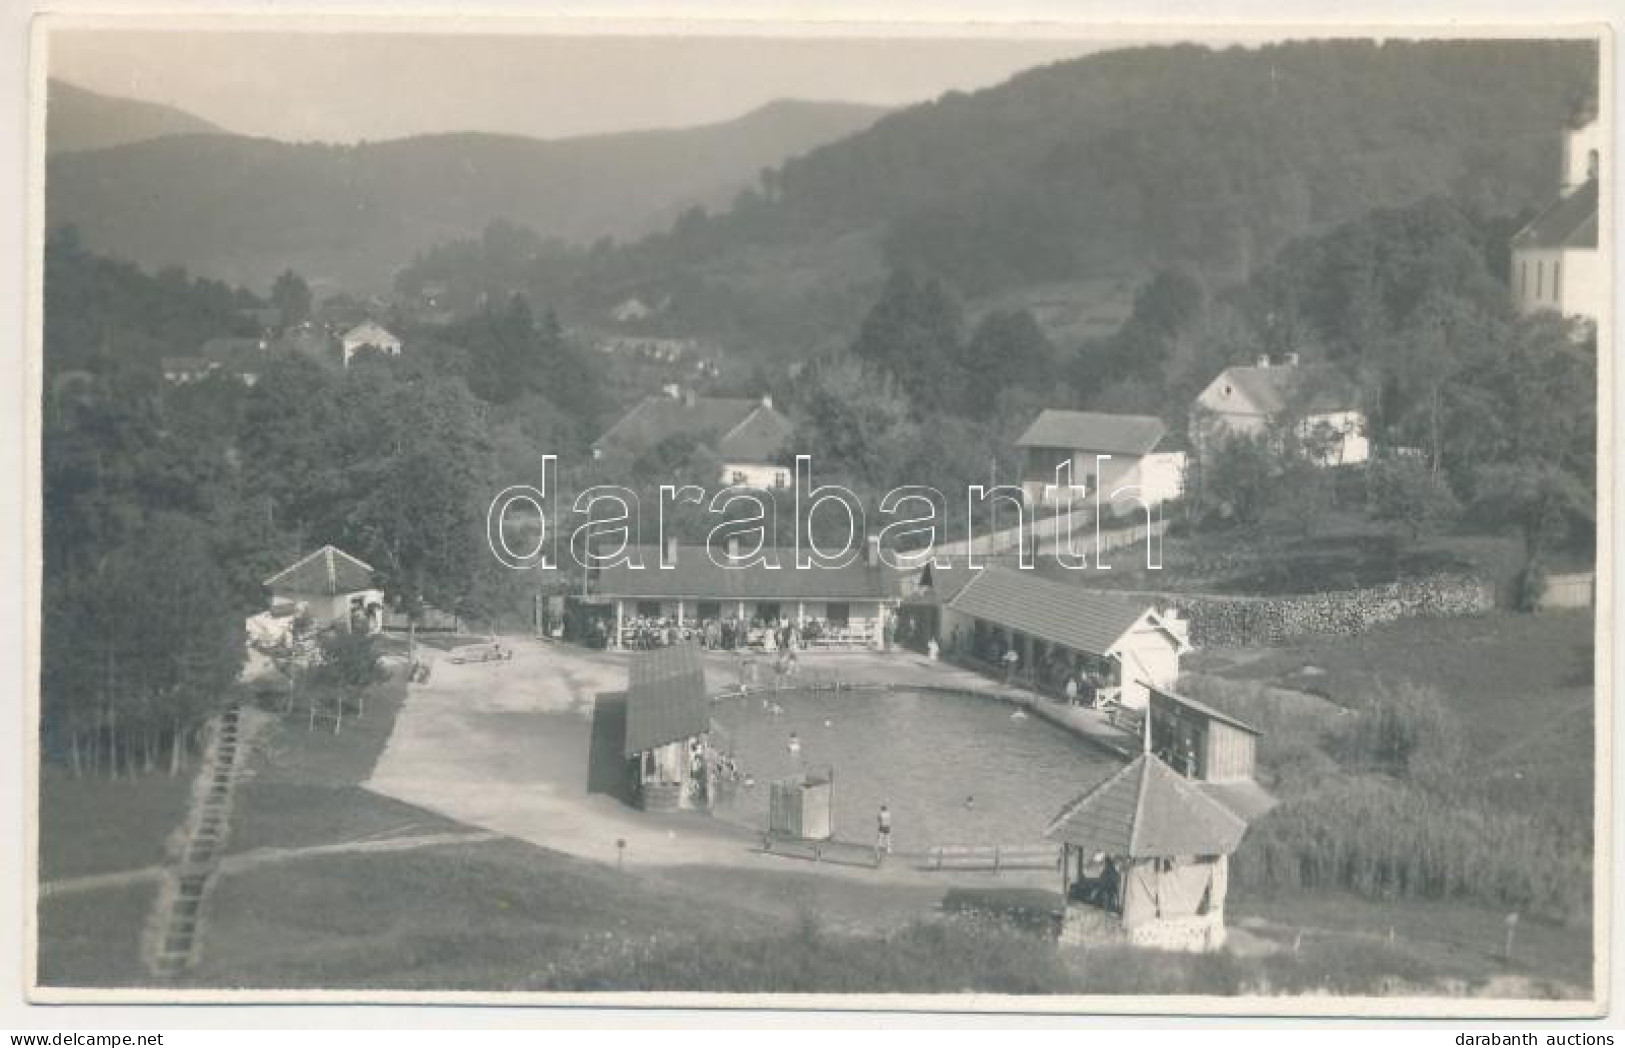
(738, 477)
(1523, 280)
(838, 614)
(1540, 280)
(1557, 281)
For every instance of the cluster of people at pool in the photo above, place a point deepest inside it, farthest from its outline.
(646, 632)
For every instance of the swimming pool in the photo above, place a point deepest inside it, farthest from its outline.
(921, 754)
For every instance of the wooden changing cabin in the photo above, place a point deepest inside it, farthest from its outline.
(1145, 857)
(668, 728)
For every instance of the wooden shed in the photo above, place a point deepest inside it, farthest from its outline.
(668, 730)
(801, 807)
(1202, 742)
(1145, 857)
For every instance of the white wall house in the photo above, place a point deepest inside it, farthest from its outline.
(746, 434)
(1556, 264)
(1323, 406)
(1059, 625)
(369, 334)
(1107, 453)
(333, 588)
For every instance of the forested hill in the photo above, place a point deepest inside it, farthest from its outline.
(243, 209)
(78, 118)
(1195, 154)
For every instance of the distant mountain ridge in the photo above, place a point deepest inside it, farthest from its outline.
(78, 118)
(242, 209)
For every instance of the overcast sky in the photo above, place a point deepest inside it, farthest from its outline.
(345, 87)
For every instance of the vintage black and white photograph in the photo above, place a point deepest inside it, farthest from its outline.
(1077, 517)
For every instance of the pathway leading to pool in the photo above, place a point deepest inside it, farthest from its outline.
(504, 747)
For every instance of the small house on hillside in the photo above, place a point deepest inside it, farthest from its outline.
(629, 311)
(1318, 401)
(1059, 630)
(182, 371)
(333, 588)
(668, 728)
(369, 335)
(1145, 858)
(1107, 453)
(746, 434)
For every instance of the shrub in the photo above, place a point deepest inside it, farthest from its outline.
(1406, 731)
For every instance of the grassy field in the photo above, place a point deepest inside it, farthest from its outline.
(1519, 685)
(90, 825)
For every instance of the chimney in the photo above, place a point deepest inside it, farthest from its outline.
(874, 551)
(671, 552)
(767, 401)
(1263, 360)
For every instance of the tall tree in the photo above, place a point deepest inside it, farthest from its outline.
(290, 296)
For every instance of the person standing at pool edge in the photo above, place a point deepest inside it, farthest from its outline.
(883, 833)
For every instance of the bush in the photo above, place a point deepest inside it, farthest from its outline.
(1407, 731)
(1384, 840)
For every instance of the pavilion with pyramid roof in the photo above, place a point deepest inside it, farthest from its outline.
(1145, 858)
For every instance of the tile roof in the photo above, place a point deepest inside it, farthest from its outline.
(1204, 709)
(228, 350)
(1569, 221)
(665, 698)
(1094, 431)
(171, 364)
(1055, 612)
(1307, 387)
(1148, 810)
(695, 575)
(369, 333)
(328, 571)
(738, 429)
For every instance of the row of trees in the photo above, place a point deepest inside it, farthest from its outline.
(166, 506)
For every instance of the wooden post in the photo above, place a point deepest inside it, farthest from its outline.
(1512, 931)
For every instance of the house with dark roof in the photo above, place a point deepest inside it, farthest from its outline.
(747, 435)
(1317, 401)
(1125, 645)
(1145, 858)
(703, 593)
(668, 727)
(240, 358)
(333, 588)
(1555, 262)
(1126, 454)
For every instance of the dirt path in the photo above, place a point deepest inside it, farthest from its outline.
(267, 856)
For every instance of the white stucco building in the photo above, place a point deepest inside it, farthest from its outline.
(369, 335)
(1556, 263)
(1321, 404)
(1107, 453)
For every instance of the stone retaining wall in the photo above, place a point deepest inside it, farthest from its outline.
(1251, 621)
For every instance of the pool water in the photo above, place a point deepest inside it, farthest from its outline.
(920, 753)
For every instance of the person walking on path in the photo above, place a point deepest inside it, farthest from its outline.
(883, 833)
